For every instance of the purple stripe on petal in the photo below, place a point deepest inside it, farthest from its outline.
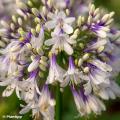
(53, 60)
(84, 97)
(101, 23)
(34, 73)
(91, 66)
(113, 31)
(111, 57)
(71, 63)
(74, 92)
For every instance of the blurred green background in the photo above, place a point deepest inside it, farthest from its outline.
(11, 105)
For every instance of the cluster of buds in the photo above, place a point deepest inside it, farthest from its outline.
(45, 45)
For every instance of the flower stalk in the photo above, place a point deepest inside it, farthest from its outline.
(58, 103)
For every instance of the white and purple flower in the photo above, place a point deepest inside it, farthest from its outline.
(61, 42)
(99, 72)
(55, 72)
(87, 103)
(72, 75)
(60, 22)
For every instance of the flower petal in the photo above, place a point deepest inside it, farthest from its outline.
(8, 91)
(50, 24)
(5, 82)
(68, 49)
(57, 30)
(102, 34)
(69, 20)
(67, 28)
(61, 14)
(33, 65)
(49, 42)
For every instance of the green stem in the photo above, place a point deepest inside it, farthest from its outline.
(58, 103)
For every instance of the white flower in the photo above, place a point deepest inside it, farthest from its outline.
(60, 22)
(112, 52)
(107, 91)
(44, 106)
(55, 71)
(29, 87)
(60, 42)
(99, 72)
(10, 57)
(101, 65)
(8, 65)
(28, 107)
(72, 74)
(12, 84)
(87, 103)
(100, 30)
(99, 25)
(96, 45)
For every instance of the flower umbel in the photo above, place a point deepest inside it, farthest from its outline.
(48, 47)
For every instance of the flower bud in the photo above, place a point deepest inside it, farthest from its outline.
(20, 21)
(100, 49)
(30, 3)
(80, 62)
(38, 28)
(35, 11)
(12, 26)
(86, 56)
(14, 18)
(34, 65)
(86, 69)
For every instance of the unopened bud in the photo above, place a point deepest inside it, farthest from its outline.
(67, 11)
(30, 3)
(105, 18)
(49, 3)
(100, 49)
(42, 67)
(81, 45)
(86, 56)
(21, 31)
(37, 20)
(111, 14)
(80, 62)
(33, 31)
(86, 69)
(29, 46)
(20, 21)
(12, 26)
(38, 28)
(41, 74)
(44, 58)
(73, 36)
(92, 8)
(14, 18)
(76, 32)
(35, 11)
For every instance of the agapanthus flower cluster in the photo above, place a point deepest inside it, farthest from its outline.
(45, 45)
